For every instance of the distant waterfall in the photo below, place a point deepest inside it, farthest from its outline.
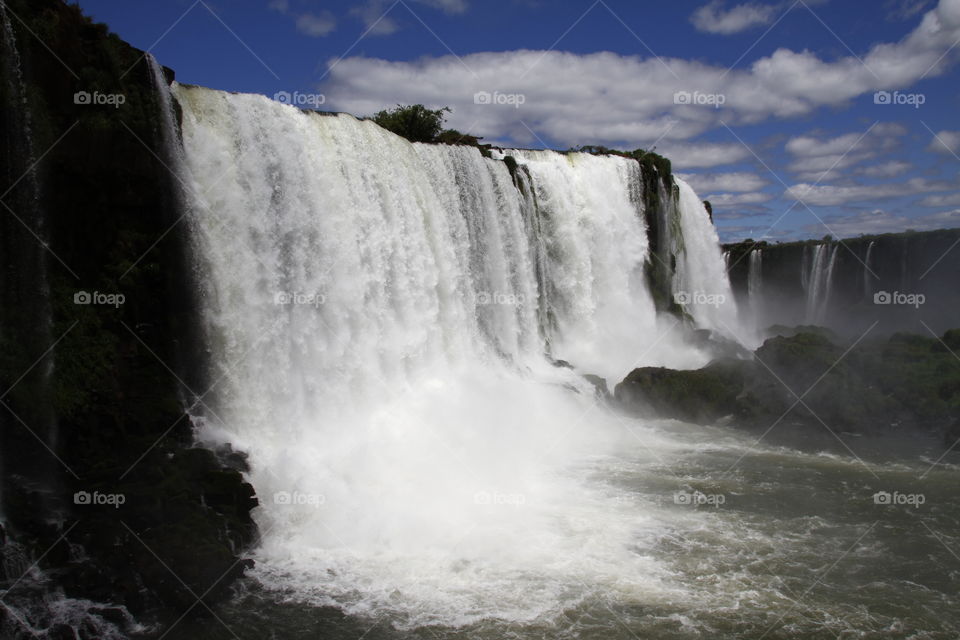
(755, 278)
(867, 276)
(755, 284)
(818, 281)
(379, 316)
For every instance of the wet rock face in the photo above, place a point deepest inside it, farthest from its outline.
(97, 444)
(806, 380)
(702, 396)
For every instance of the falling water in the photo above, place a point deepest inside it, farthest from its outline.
(867, 273)
(376, 315)
(819, 281)
(755, 279)
(700, 276)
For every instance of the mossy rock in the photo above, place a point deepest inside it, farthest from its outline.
(702, 396)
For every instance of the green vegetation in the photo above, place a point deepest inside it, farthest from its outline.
(648, 159)
(414, 122)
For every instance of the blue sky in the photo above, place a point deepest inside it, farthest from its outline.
(769, 109)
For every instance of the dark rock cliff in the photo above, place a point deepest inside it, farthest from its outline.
(899, 265)
(97, 355)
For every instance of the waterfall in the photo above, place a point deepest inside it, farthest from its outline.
(169, 129)
(819, 281)
(867, 277)
(379, 314)
(755, 285)
(701, 279)
(596, 239)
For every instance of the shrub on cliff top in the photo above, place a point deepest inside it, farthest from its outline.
(415, 122)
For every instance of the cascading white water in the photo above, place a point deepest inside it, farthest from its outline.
(755, 287)
(701, 279)
(378, 336)
(596, 239)
(819, 281)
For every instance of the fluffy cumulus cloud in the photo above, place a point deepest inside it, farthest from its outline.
(818, 158)
(714, 18)
(606, 98)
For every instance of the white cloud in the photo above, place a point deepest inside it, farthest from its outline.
(379, 16)
(739, 182)
(890, 169)
(375, 15)
(899, 10)
(829, 195)
(818, 158)
(685, 155)
(447, 6)
(606, 98)
(713, 18)
(316, 25)
(946, 142)
(949, 200)
(719, 200)
(880, 221)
